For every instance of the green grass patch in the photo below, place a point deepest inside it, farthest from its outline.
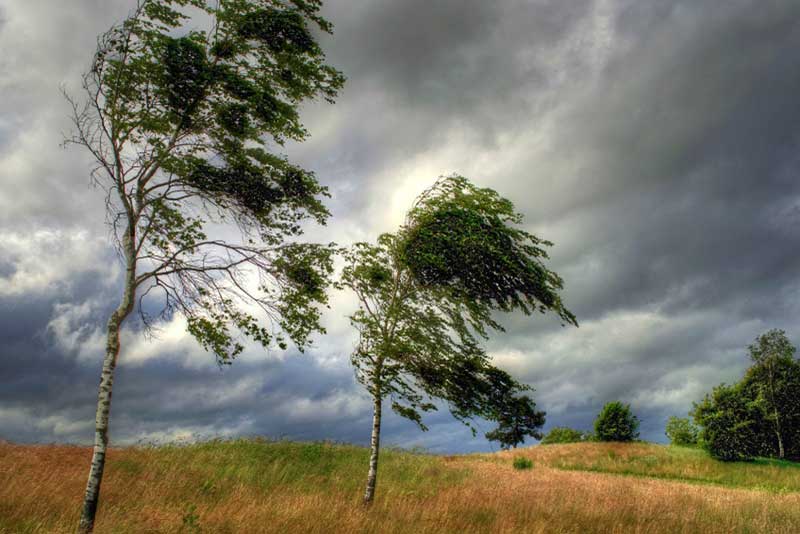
(679, 463)
(520, 462)
(215, 467)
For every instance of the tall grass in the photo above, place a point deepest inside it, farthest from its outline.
(259, 486)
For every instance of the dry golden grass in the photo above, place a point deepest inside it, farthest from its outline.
(227, 487)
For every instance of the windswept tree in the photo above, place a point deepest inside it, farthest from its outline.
(204, 215)
(427, 296)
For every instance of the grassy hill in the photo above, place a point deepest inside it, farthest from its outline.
(258, 486)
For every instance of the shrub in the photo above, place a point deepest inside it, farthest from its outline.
(562, 434)
(521, 462)
(616, 422)
(681, 431)
(732, 429)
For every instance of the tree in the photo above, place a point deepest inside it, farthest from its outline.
(560, 434)
(775, 386)
(616, 422)
(177, 121)
(426, 297)
(760, 414)
(732, 429)
(516, 420)
(681, 431)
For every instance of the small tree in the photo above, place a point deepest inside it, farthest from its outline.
(426, 296)
(561, 434)
(681, 431)
(516, 420)
(177, 121)
(616, 422)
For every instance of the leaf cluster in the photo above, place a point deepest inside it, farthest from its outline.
(616, 422)
(182, 121)
(561, 434)
(681, 431)
(466, 241)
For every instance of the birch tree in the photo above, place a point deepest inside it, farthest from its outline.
(181, 110)
(776, 384)
(427, 296)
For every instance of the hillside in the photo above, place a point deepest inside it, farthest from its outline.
(260, 486)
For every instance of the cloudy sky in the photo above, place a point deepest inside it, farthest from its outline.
(655, 142)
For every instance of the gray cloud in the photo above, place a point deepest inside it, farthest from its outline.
(653, 141)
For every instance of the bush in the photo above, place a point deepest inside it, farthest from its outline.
(522, 463)
(681, 431)
(562, 434)
(616, 422)
(732, 428)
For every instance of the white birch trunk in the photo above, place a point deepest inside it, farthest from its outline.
(92, 494)
(374, 444)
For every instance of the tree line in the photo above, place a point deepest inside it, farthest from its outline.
(181, 109)
(756, 417)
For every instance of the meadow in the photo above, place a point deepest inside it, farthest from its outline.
(263, 486)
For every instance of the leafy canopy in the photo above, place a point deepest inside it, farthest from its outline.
(561, 434)
(516, 420)
(420, 319)
(180, 120)
(616, 422)
(681, 431)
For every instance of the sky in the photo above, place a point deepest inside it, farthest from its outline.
(654, 142)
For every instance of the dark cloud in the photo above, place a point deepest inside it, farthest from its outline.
(653, 141)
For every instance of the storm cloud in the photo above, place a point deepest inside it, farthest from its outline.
(654, 142)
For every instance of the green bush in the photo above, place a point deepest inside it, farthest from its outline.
(732, 427)
(562, 434)
(521, 462)
(616, 422)
(681, 431)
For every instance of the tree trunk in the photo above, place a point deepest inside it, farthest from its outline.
(780, 437)
(773, 401)
(92, 494)
(375, 442)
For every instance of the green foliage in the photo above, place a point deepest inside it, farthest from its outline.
(759, 415)
(681, 431)
(180, 120)
(732, 428)
(191, 520)
(465, 240)
(521, 463)
(419, 330)
(561, 434)
(516, 419)
(616, 422)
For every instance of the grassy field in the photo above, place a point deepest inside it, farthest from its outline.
(259, 486)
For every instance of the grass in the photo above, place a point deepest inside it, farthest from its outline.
(260, 486)
(672, 463)
(520, 462)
